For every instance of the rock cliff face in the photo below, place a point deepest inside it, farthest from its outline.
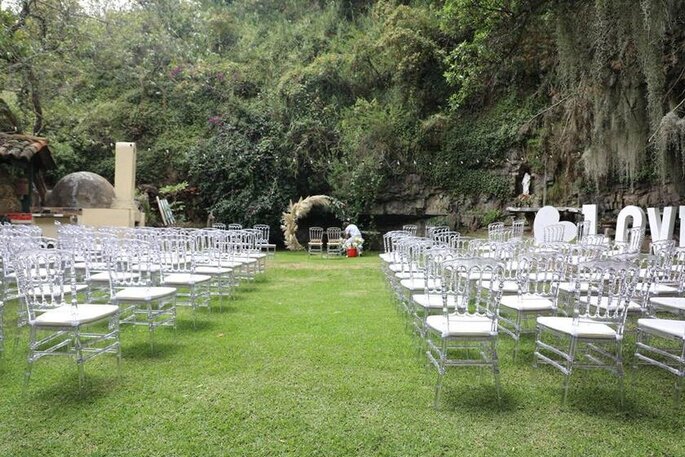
(412, 201)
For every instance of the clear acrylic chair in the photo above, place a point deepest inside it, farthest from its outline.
(632, 247)
(131, 269)
(178, 268)
(315, 243)
(593, 336)
(235, 226)
(429, 301)
(263, 239)
(58, 326)
(465, 336)
(209, 261)
(334, 241)
(661, 343)
(496, 231)
(517, 228)
(538, 279)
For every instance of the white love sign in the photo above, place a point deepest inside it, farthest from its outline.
(638, 220)
(549, 215)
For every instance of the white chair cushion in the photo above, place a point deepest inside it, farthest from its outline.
(661, 289)
(185, 279)
(403, 267)
(671, 327)
(69, 316)
(388, 257)
(677, 303)
(461, 326)
(208, 270)
(603, 303)
(583, 329)
(407, 275)
(527, 302)
(103, 276)
(570, 287)
(414, 285)
(241, 260)
(433, 301)
(92, 266)
(508, 285)
(144, 293)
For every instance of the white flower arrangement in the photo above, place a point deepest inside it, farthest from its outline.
(355, 242)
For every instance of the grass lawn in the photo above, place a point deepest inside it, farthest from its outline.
(313, 359)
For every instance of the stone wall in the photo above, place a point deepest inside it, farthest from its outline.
(9, 203)
(411, 201)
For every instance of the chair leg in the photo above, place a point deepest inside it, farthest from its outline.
(569, 367)
(441, 373)
(517, 335)
(495, 371)
(78, 351)
(438, 389)
(29, 368)
(619, 372)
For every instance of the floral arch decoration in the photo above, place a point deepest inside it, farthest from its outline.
(299, 210)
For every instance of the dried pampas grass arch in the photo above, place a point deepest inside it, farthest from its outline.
(299, 210)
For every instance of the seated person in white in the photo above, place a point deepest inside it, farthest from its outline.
(351, 232)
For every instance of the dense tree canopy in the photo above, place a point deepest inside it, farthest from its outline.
(255, 102)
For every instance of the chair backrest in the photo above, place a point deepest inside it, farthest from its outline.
(496, 231)
(44, 277)
(583, 230)
(333, 234)
(610, 287)
(540, 274)
(553, 233)
(517, 228)
(433, 232)
(264, 231)
(636, 236)
(315, 234)
(448, 237)
(235, 226)
(132, 265)
(176, 252)
(219, 226)
(476, 287)
(410, 228)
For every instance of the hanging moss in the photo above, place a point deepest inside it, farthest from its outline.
(616, 67)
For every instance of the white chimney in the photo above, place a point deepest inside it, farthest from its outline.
(124, 175)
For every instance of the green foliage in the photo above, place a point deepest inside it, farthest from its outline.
(490, 216)
(241, 174)
(346, 96)
(470, 147)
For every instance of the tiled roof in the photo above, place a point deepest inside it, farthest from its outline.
(24, 147)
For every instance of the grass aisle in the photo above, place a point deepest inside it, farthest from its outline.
(314, 360)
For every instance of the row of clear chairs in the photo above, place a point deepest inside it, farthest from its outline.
(89, 276)
(575, 297)
(261, 230)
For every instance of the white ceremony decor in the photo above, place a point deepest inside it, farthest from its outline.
(299, 210)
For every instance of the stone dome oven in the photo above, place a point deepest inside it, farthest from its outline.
(82, 189)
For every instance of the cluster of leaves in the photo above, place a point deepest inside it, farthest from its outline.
(256, 103)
